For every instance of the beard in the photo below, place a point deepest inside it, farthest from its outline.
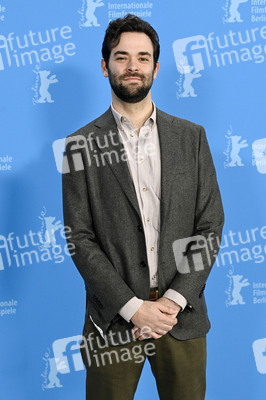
(130, 92)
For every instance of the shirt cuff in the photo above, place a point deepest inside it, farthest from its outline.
(130, 308)
(176, 297)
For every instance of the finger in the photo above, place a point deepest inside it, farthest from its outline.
(166, 328)
(134, 329)
(173, 315)
(166, 309)
(155, 335)
(141, 338)
(161, 331)
(168, 321)
(137, 334)
(144, 334)
(171, 304)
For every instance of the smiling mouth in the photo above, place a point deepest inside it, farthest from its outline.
(132, 78)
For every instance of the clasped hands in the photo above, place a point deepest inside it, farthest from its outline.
(158, 316)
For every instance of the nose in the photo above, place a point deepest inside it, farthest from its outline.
(132, 65)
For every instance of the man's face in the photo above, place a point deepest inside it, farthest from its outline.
(131, 67)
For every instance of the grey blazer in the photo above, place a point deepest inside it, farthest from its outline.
(101, 208)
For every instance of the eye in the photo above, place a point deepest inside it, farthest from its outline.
(143, 59)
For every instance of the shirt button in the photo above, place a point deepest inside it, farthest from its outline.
(124, 119)
(152, 248)
(132, 134)
(144, 189)
(141, 160)
(148, 219)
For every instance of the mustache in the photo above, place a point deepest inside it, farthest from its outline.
(131, 76)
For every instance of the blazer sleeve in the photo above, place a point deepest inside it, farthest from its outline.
(105, 286)
(209, 221)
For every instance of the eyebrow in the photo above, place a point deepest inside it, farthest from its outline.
(141, 53)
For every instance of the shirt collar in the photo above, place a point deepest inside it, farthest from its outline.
(120, 119)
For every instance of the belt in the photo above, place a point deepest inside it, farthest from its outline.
(154, 294)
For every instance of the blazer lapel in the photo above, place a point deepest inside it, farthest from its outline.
(107, 125)
(170, 155)
(170, 160)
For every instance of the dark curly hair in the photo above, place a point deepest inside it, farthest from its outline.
(130, 23)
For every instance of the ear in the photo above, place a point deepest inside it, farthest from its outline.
(103, 67)
(156, 70)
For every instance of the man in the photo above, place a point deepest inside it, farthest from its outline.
(141, 197)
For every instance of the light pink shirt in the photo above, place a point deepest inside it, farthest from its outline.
(144, 162)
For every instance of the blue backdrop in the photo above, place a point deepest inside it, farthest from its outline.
(212, 72)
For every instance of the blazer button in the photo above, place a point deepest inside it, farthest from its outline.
(140, 228)
(143, 264)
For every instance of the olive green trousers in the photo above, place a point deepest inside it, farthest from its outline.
(113, 372)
